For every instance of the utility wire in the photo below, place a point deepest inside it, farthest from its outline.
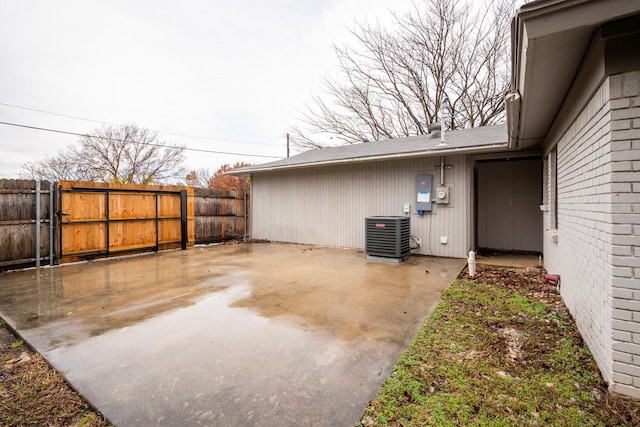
(144, 143)
(151, 130)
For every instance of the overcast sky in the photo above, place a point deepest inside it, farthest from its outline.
(236, 71)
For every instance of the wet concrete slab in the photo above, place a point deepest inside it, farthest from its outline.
(251, 334)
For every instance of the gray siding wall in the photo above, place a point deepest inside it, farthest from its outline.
(595, 245)
(328, 205)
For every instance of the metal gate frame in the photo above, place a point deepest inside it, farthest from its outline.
(184, 237)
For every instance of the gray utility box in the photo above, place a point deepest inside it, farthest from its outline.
(388, 236)
(424, 198)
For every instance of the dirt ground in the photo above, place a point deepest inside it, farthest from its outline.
(33, 394)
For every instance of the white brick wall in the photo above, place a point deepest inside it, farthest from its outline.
(624, 256)
(597, 252)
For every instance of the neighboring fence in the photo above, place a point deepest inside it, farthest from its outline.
(26, 220)
(89, 220)
(220, 215)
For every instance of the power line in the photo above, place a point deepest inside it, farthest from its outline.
(144, 143)
(151, 130)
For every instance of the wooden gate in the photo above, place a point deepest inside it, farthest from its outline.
(98, 220)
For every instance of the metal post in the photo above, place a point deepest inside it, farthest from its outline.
(107, 230)
(37, 224)
(183, 219)
(245, 217)
(51, 223)
(60, 222)
(157, 223)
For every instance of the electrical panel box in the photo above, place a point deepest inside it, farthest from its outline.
(423, 192)
(442, 195)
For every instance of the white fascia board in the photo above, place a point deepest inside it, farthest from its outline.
(355, 160)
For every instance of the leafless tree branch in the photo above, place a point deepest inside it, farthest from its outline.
(393, 82)
(124, 154)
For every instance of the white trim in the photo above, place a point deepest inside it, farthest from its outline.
(396, 156)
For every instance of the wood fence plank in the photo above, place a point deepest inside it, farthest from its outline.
(85, 237)
(132, 205)
(128, 235)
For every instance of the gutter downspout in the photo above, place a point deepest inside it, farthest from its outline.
(512, 99)
(512, 107)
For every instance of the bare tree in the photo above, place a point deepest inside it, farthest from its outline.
(198, 178)
(124, 154)
(393, 82)
(63, 166)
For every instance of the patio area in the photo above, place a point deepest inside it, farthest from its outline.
(250, 334)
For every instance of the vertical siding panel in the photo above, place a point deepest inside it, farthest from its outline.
(327, 206)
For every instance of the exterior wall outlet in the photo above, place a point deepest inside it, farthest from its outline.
(444, 239)
(407, 208)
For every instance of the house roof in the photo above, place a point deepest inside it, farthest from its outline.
(549, 41)
(481, 139)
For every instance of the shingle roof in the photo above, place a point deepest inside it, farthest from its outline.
(466, 140)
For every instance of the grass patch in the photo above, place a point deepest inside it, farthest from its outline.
(17, 344)
(501, 353)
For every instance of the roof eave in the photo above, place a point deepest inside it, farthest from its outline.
(356, 160)
(549, 41)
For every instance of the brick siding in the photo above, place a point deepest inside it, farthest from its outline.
(624, 255)
(597, 252)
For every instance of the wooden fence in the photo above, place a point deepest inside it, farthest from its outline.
(220, 215)
(26, 220)
(90, 220)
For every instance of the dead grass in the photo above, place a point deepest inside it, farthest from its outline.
(499, 350)
(34, 394)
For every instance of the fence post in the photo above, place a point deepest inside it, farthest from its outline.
(51, 224)
(183, 219)
(37, 224)
(244, 235)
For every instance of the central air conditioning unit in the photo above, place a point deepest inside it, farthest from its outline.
(388, 236)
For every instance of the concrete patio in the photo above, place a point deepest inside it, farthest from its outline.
(251, 334)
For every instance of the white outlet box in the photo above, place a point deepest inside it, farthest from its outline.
(444, 239)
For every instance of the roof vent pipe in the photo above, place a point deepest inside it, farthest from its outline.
(443, 113)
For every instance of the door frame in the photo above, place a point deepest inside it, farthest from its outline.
(475, 159)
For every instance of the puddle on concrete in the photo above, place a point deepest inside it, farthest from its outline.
(227, 335)
(73, 302)
(211, 364)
